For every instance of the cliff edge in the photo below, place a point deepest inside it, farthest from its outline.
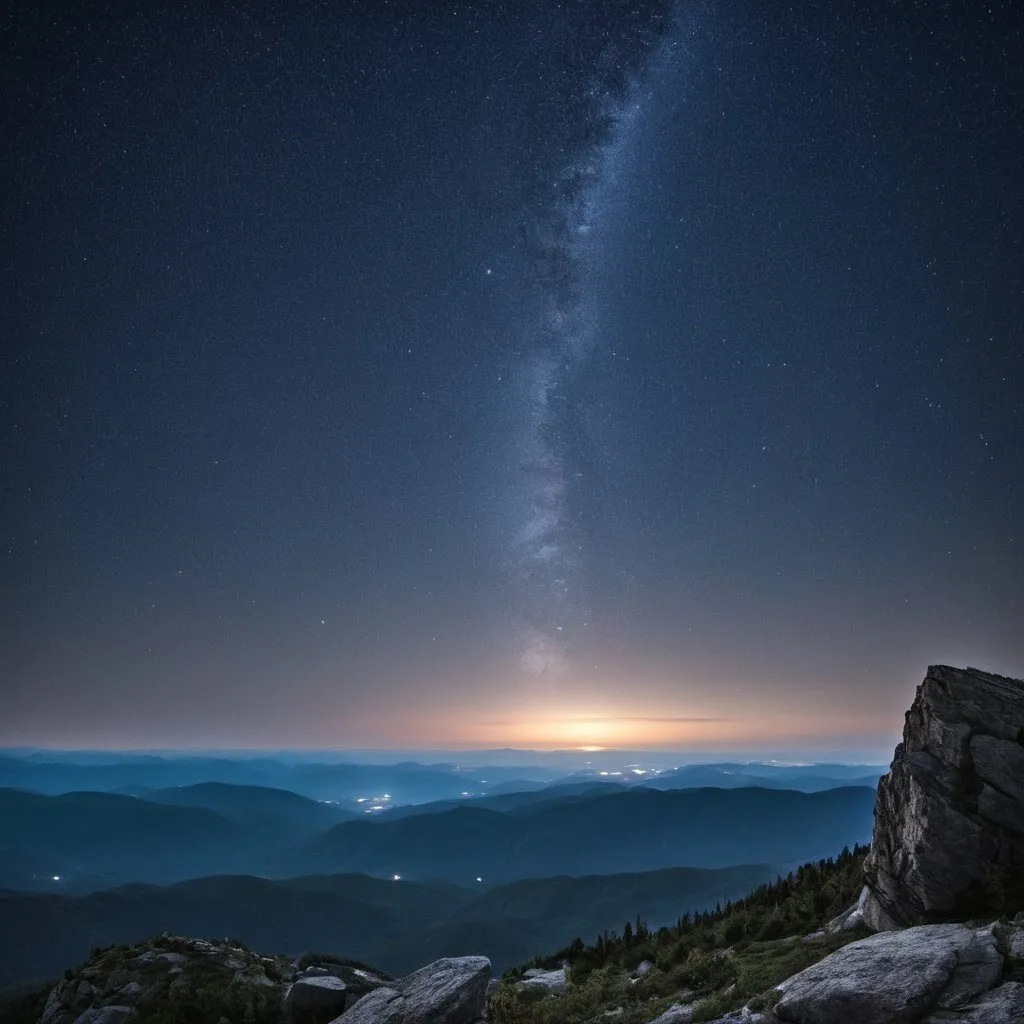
(949, 817)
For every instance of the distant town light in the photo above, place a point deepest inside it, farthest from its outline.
(397, 878)
(478, 878)
(56, 878)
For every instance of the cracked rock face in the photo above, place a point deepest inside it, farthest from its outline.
(949, 818)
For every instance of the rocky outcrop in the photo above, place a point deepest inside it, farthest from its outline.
(894, 977)
(129, 983)
(448, 991)
(949, 816)
(929, 974)
(124, 982)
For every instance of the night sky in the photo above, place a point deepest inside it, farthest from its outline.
(445, 375)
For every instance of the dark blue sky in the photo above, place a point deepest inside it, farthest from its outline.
(483, 374)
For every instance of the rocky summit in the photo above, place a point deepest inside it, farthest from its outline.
(949, 817)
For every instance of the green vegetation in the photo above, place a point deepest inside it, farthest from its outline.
(720, 959)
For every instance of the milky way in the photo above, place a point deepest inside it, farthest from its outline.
(594, 99)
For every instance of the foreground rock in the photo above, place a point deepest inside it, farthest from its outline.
(448, 991)
(894, 977)
(949, 817)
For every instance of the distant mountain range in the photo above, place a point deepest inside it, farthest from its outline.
(599, 833)
(260, 807)
(395, 925)
(81, 842)
(285, 856)
(403, 783)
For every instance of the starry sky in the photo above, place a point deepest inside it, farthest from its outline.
(479, 374)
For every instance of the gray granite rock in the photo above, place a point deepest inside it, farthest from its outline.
(893, 977)
(1003, 1005)
(852, 917)
(952, 804)
(381, 1006)
(979, 966)
(448, 991)
(1000, 763)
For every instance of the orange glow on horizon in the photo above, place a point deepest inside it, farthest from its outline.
(545, 729)
(596, 714)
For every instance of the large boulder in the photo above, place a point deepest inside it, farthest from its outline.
(894, 977)
(949, 816)
(448, 991)
(318, 993)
